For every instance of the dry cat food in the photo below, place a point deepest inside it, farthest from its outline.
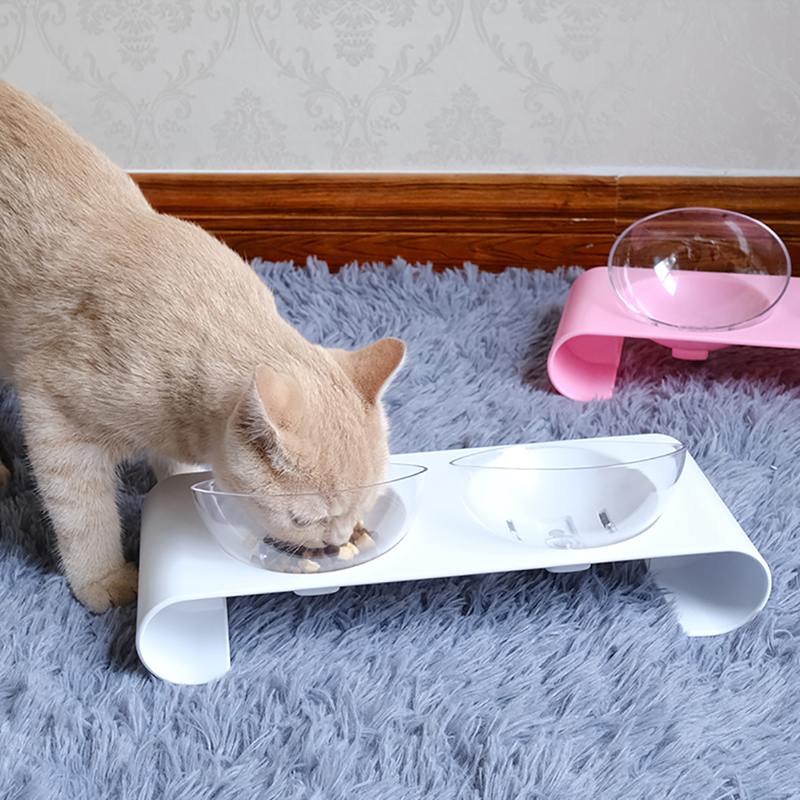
(288, 558)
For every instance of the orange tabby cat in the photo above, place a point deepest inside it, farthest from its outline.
(127, 331)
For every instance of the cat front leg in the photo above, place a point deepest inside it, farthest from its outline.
(77, 482)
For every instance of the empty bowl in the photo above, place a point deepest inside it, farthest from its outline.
(235, 522)
(571, 495)
(699, 269)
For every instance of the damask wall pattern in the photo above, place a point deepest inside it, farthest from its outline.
(418, 85)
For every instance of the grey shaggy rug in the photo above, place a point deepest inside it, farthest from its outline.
(512, 686)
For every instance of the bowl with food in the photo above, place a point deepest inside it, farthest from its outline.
(283, 533)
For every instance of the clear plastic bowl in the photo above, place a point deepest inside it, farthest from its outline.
(571, 495)
(699, 268)
(234, 521)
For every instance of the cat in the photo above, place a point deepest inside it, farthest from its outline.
(126, 331)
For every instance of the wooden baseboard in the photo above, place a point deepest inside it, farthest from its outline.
(495, 221)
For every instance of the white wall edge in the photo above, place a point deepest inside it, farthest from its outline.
(619, 172)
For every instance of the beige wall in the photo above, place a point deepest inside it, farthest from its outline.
(513, 85)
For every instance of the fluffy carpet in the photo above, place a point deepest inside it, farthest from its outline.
(513, 686)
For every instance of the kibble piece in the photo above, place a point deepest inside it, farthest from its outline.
(361, 537)
(364, 541)
(307, 565)
(348, 551)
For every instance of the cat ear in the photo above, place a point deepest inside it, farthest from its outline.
(280, 396)
(372, 367)
(270, 410)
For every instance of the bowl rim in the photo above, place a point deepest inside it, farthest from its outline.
(205, 487)
(675, 448)
(618, 289)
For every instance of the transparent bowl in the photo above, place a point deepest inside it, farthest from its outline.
(699, 268)
(234, 521)
(571, 495)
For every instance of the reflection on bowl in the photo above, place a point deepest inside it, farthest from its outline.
(234, 521)
(699, 268)
(571, 495)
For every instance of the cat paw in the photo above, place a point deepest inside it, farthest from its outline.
(118, 588)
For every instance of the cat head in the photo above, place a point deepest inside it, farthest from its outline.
(302, 444)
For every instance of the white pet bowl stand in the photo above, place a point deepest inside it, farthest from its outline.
(696, 551)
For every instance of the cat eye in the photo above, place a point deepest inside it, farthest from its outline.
(302, 523)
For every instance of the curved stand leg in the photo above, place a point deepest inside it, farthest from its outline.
(585, 367)
(585, 355)
(186, 642)
(713, 593)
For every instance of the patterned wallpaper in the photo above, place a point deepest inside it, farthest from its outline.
(416, 85)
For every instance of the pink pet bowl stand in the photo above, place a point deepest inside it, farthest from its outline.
(585, 354)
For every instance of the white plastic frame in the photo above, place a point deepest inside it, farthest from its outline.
(696, 551)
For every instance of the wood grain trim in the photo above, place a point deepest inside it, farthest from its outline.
(373, 194)
(492, 220)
